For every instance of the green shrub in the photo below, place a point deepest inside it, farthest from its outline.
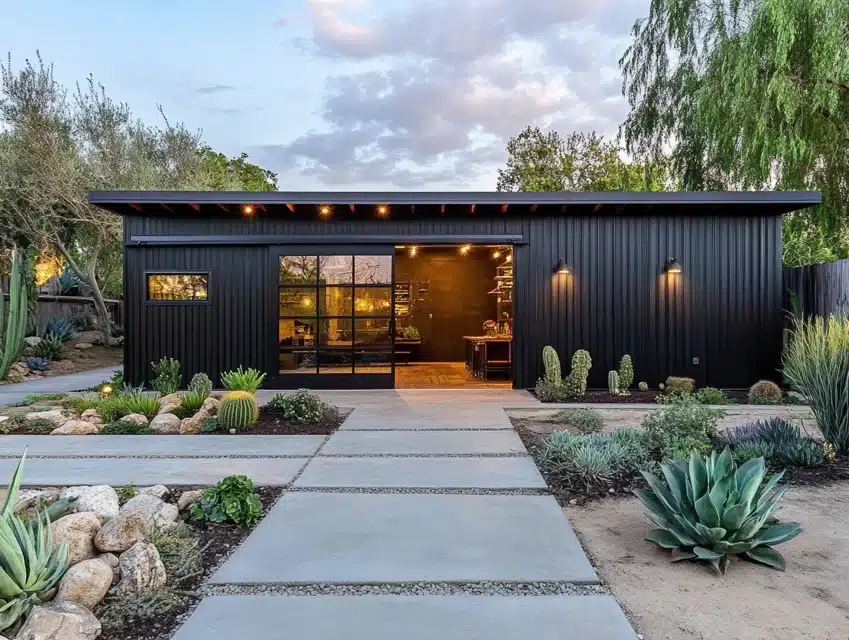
(583, 420)
(676, 384)
(82, 401)
(576, 382)
(123, 404)
(613, 382)
(711, 395)
(238, 410)
(32, 398)
(167, 376)
(626, 373)
(20, 423)
(643, 386)
(126, 492)
(120, 611)
(302, 407)
(751, 449)
(551, 362)
(816, 364)
(179, 551)
(242, 380)
(50, 347)
(709, 509)
(683, 423)
(765, 392)
(201, 383)
(546, 391)
(125, 428)
(233, 499)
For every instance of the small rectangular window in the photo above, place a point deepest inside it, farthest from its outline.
(177, 287)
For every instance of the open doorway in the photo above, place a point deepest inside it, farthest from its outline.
(453, 316)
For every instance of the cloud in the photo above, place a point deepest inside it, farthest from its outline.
(215, 88)
(432, 90)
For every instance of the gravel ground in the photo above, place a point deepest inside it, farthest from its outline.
(410, 589)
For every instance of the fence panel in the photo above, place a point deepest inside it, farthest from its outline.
(818, 289)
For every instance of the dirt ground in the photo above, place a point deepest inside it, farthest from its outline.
(686, 601)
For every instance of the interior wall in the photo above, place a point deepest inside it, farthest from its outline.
(456, 303)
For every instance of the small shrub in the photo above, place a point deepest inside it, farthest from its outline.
(546, 391)
(752, 449)
(20, 423)
(242, 380)
(683, 423)
(765, 392)
(146, 404)
(62, 328)
(167, 376)
(583, 420)
(125, 428)
(126, 492)
(192, 401)
(626, 373)
(117, 379)
(238, 410)
(711, 395)
(201, 383)
(302, 407)
(709, 509)
(50, 347)
(83, 321)
(32, 398)
(233, 499)
(643, 386)
(179, 551)
(83, 401)
(120, 612)
(210, 425)
(676, 384)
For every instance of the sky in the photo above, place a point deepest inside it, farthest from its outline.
(346, 94)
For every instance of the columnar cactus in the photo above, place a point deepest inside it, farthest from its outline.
(238, 410)
(552, 365)
(13, 327)
(613, 382)
(576, 383)
(626, 373)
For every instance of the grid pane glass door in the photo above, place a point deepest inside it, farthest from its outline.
(335, 314)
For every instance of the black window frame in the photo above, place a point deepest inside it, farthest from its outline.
(177, 272)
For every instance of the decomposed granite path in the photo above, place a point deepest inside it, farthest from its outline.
(422, 518)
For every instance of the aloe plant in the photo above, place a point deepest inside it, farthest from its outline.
(710, 510)
(28, 567)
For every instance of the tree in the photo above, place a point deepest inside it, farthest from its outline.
(222, 170)
(540, 161)
(750, 94)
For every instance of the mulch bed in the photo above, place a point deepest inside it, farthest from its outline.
(216, 542)
(738, 397)
(271, 424)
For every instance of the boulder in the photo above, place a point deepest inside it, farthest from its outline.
(135, 417)
(211, 406)
(154, 510)
(166, 424)
(33, 341)
(171, 398)
(60, 620)
(112, 560)
(141, 569)
(101, 499)
(80, 530)
(191, 426)
(158, 490)
(86, 583)
(83, 346)
(4, 418)
(122, 532)
(168, 408)
(187, 498)
(36, 498)
(54, 415)
(89, 413)
(76, 428)
(92, 337)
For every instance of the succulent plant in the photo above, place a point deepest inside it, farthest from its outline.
(13, 326)
(613, 382)
(191, 402)
(167, 375)
(582, 420)
(626, 373)
(802, 453)
(643, 386)
(576, 382)
(50, 347)
(676, 384)
(779, 432)
(201, 382)
(709, 509)
(750, 449)
(62, 328)
(238, 410)
(551, 362)
(765, 392)
(38, 364)
(661, 386)
(242, 379)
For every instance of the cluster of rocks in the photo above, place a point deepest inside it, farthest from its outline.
(19, 371)
(109, 550)
(167, 422)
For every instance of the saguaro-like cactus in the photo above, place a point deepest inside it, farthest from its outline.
(551, 361)
(626, 373)
(613, 382)
(13, 326)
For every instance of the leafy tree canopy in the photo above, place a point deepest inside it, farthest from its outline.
(222, 170)
(540, 161)
(748, 94)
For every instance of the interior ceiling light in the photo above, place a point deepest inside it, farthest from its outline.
(464, 250)
(496, 254)
(248, 209)
(382, 210)
(324, 210)
(413, 251)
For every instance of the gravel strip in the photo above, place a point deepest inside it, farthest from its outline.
(157, 457)
(409, 589)
(420, 490)
(422, 455)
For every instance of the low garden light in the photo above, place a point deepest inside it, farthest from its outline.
(106, 391)
(562, 268)
(673, 266)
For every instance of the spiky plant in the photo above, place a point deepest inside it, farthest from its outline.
(709, 509)
(242, 380)
(551, 362)
(802, 453)
(751, 449)
(613, 382)
(765, 392)
(62, 328)
(201, 382)
(50, 347)
(192, 401)
(167, 376)
(238, 410)
(626, 373)
(576, 382)
(13, 325)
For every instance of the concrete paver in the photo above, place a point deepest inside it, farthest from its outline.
(118, 471)
(362, 538)
(411, 618)
(430, 418)
(423, 473)
(423, 443)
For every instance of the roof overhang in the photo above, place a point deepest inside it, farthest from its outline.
(401, 204)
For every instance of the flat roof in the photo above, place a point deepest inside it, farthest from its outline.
(420, 204)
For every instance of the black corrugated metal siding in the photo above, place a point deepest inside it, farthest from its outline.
(725, 308)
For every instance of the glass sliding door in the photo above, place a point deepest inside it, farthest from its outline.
(335, 324)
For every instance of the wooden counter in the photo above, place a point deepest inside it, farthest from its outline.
(477, 348)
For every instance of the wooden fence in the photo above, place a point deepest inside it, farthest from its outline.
(64, 306)
(818, 289)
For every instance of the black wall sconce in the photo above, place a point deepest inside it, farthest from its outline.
(673, 266)
(562, 268)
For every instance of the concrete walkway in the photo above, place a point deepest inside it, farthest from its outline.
(419, 501)
(12, 393)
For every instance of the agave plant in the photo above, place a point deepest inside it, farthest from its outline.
(710, 510)
(28, 567)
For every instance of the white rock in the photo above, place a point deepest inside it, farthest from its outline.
(79, 529)
(76, 428)
(171, 398)
(101, 499)
(38, 498)
(135, 417)
(86, 583)
(141, 569)
(33, 341)
(60, 620)
(83, 346)
(167, 409)
(122, 532)
(187, 498)
(158, 490)
(4, 418)
(89, 413)
(56, 416)
(166, 424)
(154, 510)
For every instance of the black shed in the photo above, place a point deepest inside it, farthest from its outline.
(686, 283)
